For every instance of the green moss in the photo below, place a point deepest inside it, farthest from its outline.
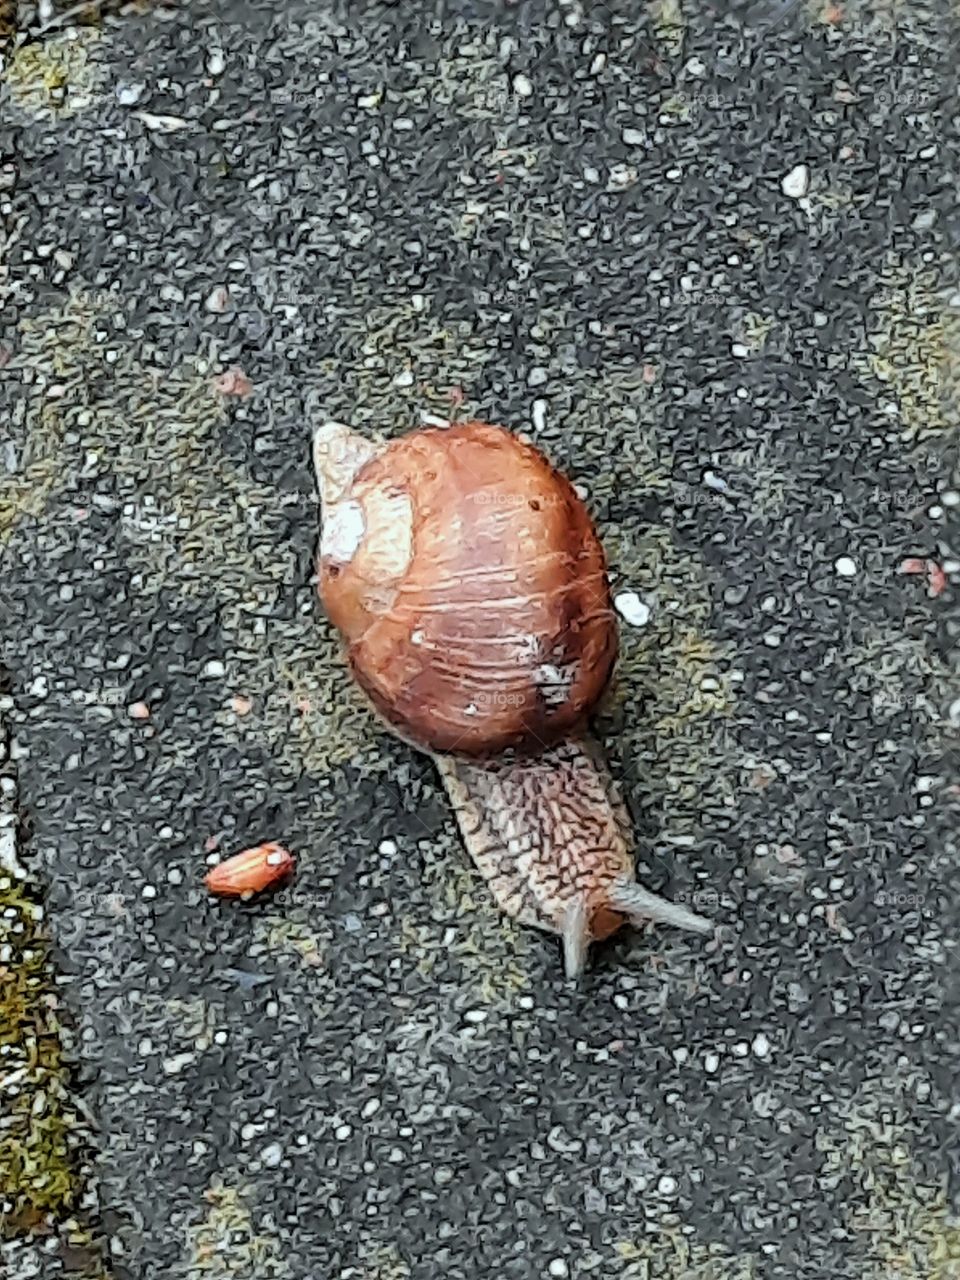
(401, 359)
(665, 715)
(385, 1263)
(894, 1212)
(56, 346)
(914, 351)
(755, 329)
(669, 26)
(226, 1244)
(282, 935)
(493, 952)
(671, 1255)
(191, 522)
(57, 77)
(39, 1143)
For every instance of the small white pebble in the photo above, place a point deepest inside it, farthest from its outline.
(215, 62)
(631, 608)
(739, 350)
(475, 1016)
(370, 1108)
(214, 669)
(713, 481)
(761, 1045)
(633, 137)
(272, 1155)
(218, 300)
(342, 1132)
(935, 513)
(387, 847)
(796, 183)
(558, 1268)
(741, 1049)
(667, 1186)
(537, 376)
(128, 94)
(711, 1062)
(522, 86)
(846, 566)
(148, 891)
(539, 415)
(950, 498)
(404, 379)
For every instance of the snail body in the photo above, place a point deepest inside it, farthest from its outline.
(469, 586)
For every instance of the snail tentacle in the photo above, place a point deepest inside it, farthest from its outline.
(575, 931)
(640, 905)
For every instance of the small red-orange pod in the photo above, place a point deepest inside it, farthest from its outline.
(250, 872)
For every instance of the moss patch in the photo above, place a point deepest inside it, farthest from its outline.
(896, 1215)
(39, 1143)
(913, 351)
(190, 522)
(57, 78)
(670, 1255)
(665, 715)
(385, 1263)
(669, 26)
(401, 359)
(494, 953)
(227, 1245)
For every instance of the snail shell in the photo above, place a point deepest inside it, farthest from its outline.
(470, 588)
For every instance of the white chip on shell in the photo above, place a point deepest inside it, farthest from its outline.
(343, 530)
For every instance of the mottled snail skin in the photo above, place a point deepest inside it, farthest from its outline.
(466, 578)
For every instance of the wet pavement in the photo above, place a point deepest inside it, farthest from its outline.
(703, 255)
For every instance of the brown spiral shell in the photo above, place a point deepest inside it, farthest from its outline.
(470, 587)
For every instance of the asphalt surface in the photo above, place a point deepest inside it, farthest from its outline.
(703, 255)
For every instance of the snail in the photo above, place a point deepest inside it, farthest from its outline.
(469, 587)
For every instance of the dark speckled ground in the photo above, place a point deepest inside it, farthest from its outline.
(571, 219)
